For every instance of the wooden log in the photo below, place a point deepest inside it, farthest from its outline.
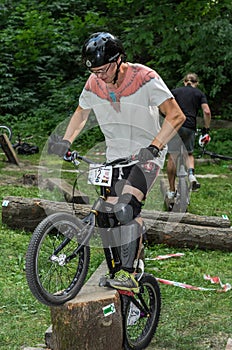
(189, 236)
(187, 218)
(67, 190)
(83, 322)
(179, 230)
(27, 213)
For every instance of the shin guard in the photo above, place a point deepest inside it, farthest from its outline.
(129, 245)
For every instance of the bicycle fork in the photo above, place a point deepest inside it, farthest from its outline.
(139, 304)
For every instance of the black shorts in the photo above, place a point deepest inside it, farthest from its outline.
(140, 176)
(184, 136)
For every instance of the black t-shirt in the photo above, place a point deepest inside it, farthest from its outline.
(190, 100)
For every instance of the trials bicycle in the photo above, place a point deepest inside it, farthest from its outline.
(58, 259)
(183, 189)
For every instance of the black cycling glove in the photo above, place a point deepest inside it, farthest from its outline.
(148, 153)
(58, 146)
(204, 131)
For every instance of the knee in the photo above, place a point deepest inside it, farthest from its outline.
(127, 208)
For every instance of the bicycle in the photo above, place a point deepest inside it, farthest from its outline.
(58, 259)
(182, 195)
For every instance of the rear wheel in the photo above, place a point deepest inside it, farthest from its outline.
(141, 314)
(183, 195)
(53, 277)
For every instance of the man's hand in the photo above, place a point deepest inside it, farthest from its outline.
(58, 146)
(148, 153)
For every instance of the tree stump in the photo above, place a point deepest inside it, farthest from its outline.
(90, 321)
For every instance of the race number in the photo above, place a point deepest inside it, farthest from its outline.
(100, 175)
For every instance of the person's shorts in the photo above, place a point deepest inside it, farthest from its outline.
(184, 136)
(139, 176)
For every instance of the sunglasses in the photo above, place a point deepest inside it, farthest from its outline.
(100, 71)
(192, 80)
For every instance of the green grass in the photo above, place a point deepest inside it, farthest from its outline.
(198, 320)
(189, 319)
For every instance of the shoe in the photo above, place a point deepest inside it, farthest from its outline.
(123, 280)
(170, 195)
(194, 183)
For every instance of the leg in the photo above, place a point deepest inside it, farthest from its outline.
(127, 211)
(191, 172)
(128, 251)
(171, 171)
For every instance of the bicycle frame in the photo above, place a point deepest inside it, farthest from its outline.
(89, 221)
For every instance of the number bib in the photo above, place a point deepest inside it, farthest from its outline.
(100, 175)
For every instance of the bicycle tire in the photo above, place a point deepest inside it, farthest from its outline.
(139, 332)
(183, 196)
(6, 130)
(217, 156)
(51, 281)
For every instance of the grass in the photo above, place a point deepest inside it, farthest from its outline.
(189, 319)
(198, 320)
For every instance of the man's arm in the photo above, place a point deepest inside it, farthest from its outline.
(206, 114)
(76, 124)
(174, 118)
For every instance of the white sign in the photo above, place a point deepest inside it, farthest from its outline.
(100, 175)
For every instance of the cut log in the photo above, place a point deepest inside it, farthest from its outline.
(67, 190)
(26, 213)
(186, 218)
(180, 230)
(90, 321)
(189, 236)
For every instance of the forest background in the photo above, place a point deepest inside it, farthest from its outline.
(41, 73)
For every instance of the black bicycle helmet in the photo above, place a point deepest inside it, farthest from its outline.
(101, 48)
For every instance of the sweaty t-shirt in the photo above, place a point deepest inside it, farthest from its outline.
(190, 100)
(128, 115)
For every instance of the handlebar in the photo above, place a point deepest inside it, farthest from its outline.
(73, 156)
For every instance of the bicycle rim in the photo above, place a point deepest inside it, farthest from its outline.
(51, 279)
(6, 130)
(139, 329)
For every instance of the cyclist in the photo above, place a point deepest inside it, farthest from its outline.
(126, 99)
(190, 99)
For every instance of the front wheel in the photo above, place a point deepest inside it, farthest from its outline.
(141, 314)
(55, 270)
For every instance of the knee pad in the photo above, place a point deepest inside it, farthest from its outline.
(127, 208)
(106, 217)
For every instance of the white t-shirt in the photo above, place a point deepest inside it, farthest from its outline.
(128, 116)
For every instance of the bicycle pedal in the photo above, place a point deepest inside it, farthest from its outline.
(103, 281)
